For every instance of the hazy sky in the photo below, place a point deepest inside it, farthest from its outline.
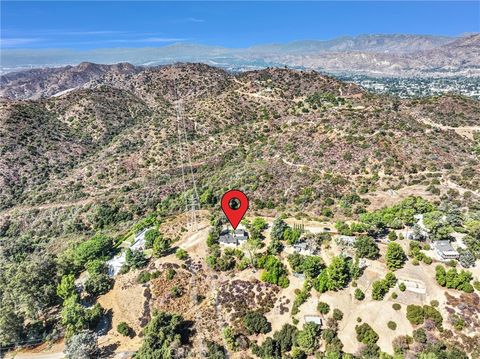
(88, 25)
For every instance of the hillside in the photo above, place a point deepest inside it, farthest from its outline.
(117, 138)
(83, 172)
(456, 58)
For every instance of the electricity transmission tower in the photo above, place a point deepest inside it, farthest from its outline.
(192, 203)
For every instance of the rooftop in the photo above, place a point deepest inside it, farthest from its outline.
(313, 319)
(445, 247)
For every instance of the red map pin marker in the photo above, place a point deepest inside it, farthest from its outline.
(234, 215)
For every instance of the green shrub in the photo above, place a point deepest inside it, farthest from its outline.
(150, 237)
(427, 260)
(365, 334)
(323, 307)
(415, 314)
(396, 306)
(144, 277)
(98, 284)
(337, 314)
(420, 336)
(181, 254)
(256, 323)
(135, 259)
(170, 273)
(359, 295)
(402, 287)
(124, 329)
(392, 325)
(176, 292)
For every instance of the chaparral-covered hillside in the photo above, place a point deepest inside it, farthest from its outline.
(362, 239)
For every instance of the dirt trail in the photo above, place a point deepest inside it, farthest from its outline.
(465, 131)
(81, 202)
(257, 95)
(35, 355)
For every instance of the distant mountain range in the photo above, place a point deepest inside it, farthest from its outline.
(375, 55)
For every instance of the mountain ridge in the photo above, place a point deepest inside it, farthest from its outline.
(120, 139)
(402, 50)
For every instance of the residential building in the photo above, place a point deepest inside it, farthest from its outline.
(445, 251)
(302, 247)
(234, 238)
(313, 319)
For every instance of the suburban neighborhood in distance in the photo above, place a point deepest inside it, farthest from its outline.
(272, 180)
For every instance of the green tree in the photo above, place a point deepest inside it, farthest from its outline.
(338, 273)
(275, 247)
(75, 317)
(365, 334)
(230, 338)
(395, 256)
(420, 336)
(215, 351)
(379, 289)
(135, 259)
(440, 275)
(97, 247)
(292, 235)
(150, 237)
(392, 236)
(337, 314)
(322, 282)
(11, 325)
(307, 338)
(366, 247)
(285, 338)
(82, 346)
(415, 314)
(467, 259)
(256, 323)
(312, 266)
(323, 307)
(162, 336)
(98, 284)
(251, 246)
(275, 272)
(161, 247)
(278, 229)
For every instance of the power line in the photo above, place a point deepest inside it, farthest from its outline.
(194, 205)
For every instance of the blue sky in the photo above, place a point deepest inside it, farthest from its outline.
(90, 25)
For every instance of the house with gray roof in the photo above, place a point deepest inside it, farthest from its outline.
(445, 251)
(302, 247)
(235, 238)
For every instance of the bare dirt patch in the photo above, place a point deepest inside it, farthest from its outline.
(126, 303)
